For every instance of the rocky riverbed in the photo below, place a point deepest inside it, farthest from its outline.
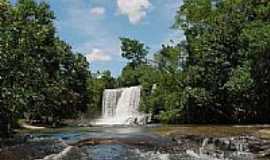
(142, 143)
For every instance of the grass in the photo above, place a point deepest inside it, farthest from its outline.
(214, 130)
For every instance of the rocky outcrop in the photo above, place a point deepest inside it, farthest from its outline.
(69, 153)
(31, 150)
(217, 147)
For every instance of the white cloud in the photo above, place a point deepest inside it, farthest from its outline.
(97, 11)
(134, 9)
(90, 32)
(97, 55)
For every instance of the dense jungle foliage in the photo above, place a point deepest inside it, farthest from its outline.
(220, 73)
(40, 77)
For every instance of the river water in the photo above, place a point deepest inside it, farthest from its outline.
(139, 143)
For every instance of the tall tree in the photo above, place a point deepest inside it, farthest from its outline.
(134, 51)
(220, 59)
(39, 74)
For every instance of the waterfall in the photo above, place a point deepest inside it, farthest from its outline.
(121, 107)
(110, 98)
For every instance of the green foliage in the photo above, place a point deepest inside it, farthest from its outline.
(97, 85)
(221, 69)
(39, 73)
(224, 40)
(136, 53)
(160, 79)
(129, 76)
(240, 80)
(133, 50)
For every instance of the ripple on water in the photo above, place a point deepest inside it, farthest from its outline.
(124, 152)
(107, 152)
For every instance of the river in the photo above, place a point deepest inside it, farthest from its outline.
(152, 142)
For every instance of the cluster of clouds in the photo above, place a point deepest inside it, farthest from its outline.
(97, 11)
(135, 10)
(97, 55)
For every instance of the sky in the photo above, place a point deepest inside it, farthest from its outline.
(93, 27)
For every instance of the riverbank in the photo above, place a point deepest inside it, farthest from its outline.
(260, 131)
(23, 124)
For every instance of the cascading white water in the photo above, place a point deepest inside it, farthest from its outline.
(110, 98)
(121, 107)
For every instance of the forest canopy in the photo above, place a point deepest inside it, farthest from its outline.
(219, 73)
(40, 76)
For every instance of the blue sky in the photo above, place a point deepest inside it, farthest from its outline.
(93, 27)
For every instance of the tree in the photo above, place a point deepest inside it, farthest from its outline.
(134, 50)
(221, 57)
(40, 75)
(166, 99)
(97, 84)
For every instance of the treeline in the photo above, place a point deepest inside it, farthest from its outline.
(40, 76)
(220, 73)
